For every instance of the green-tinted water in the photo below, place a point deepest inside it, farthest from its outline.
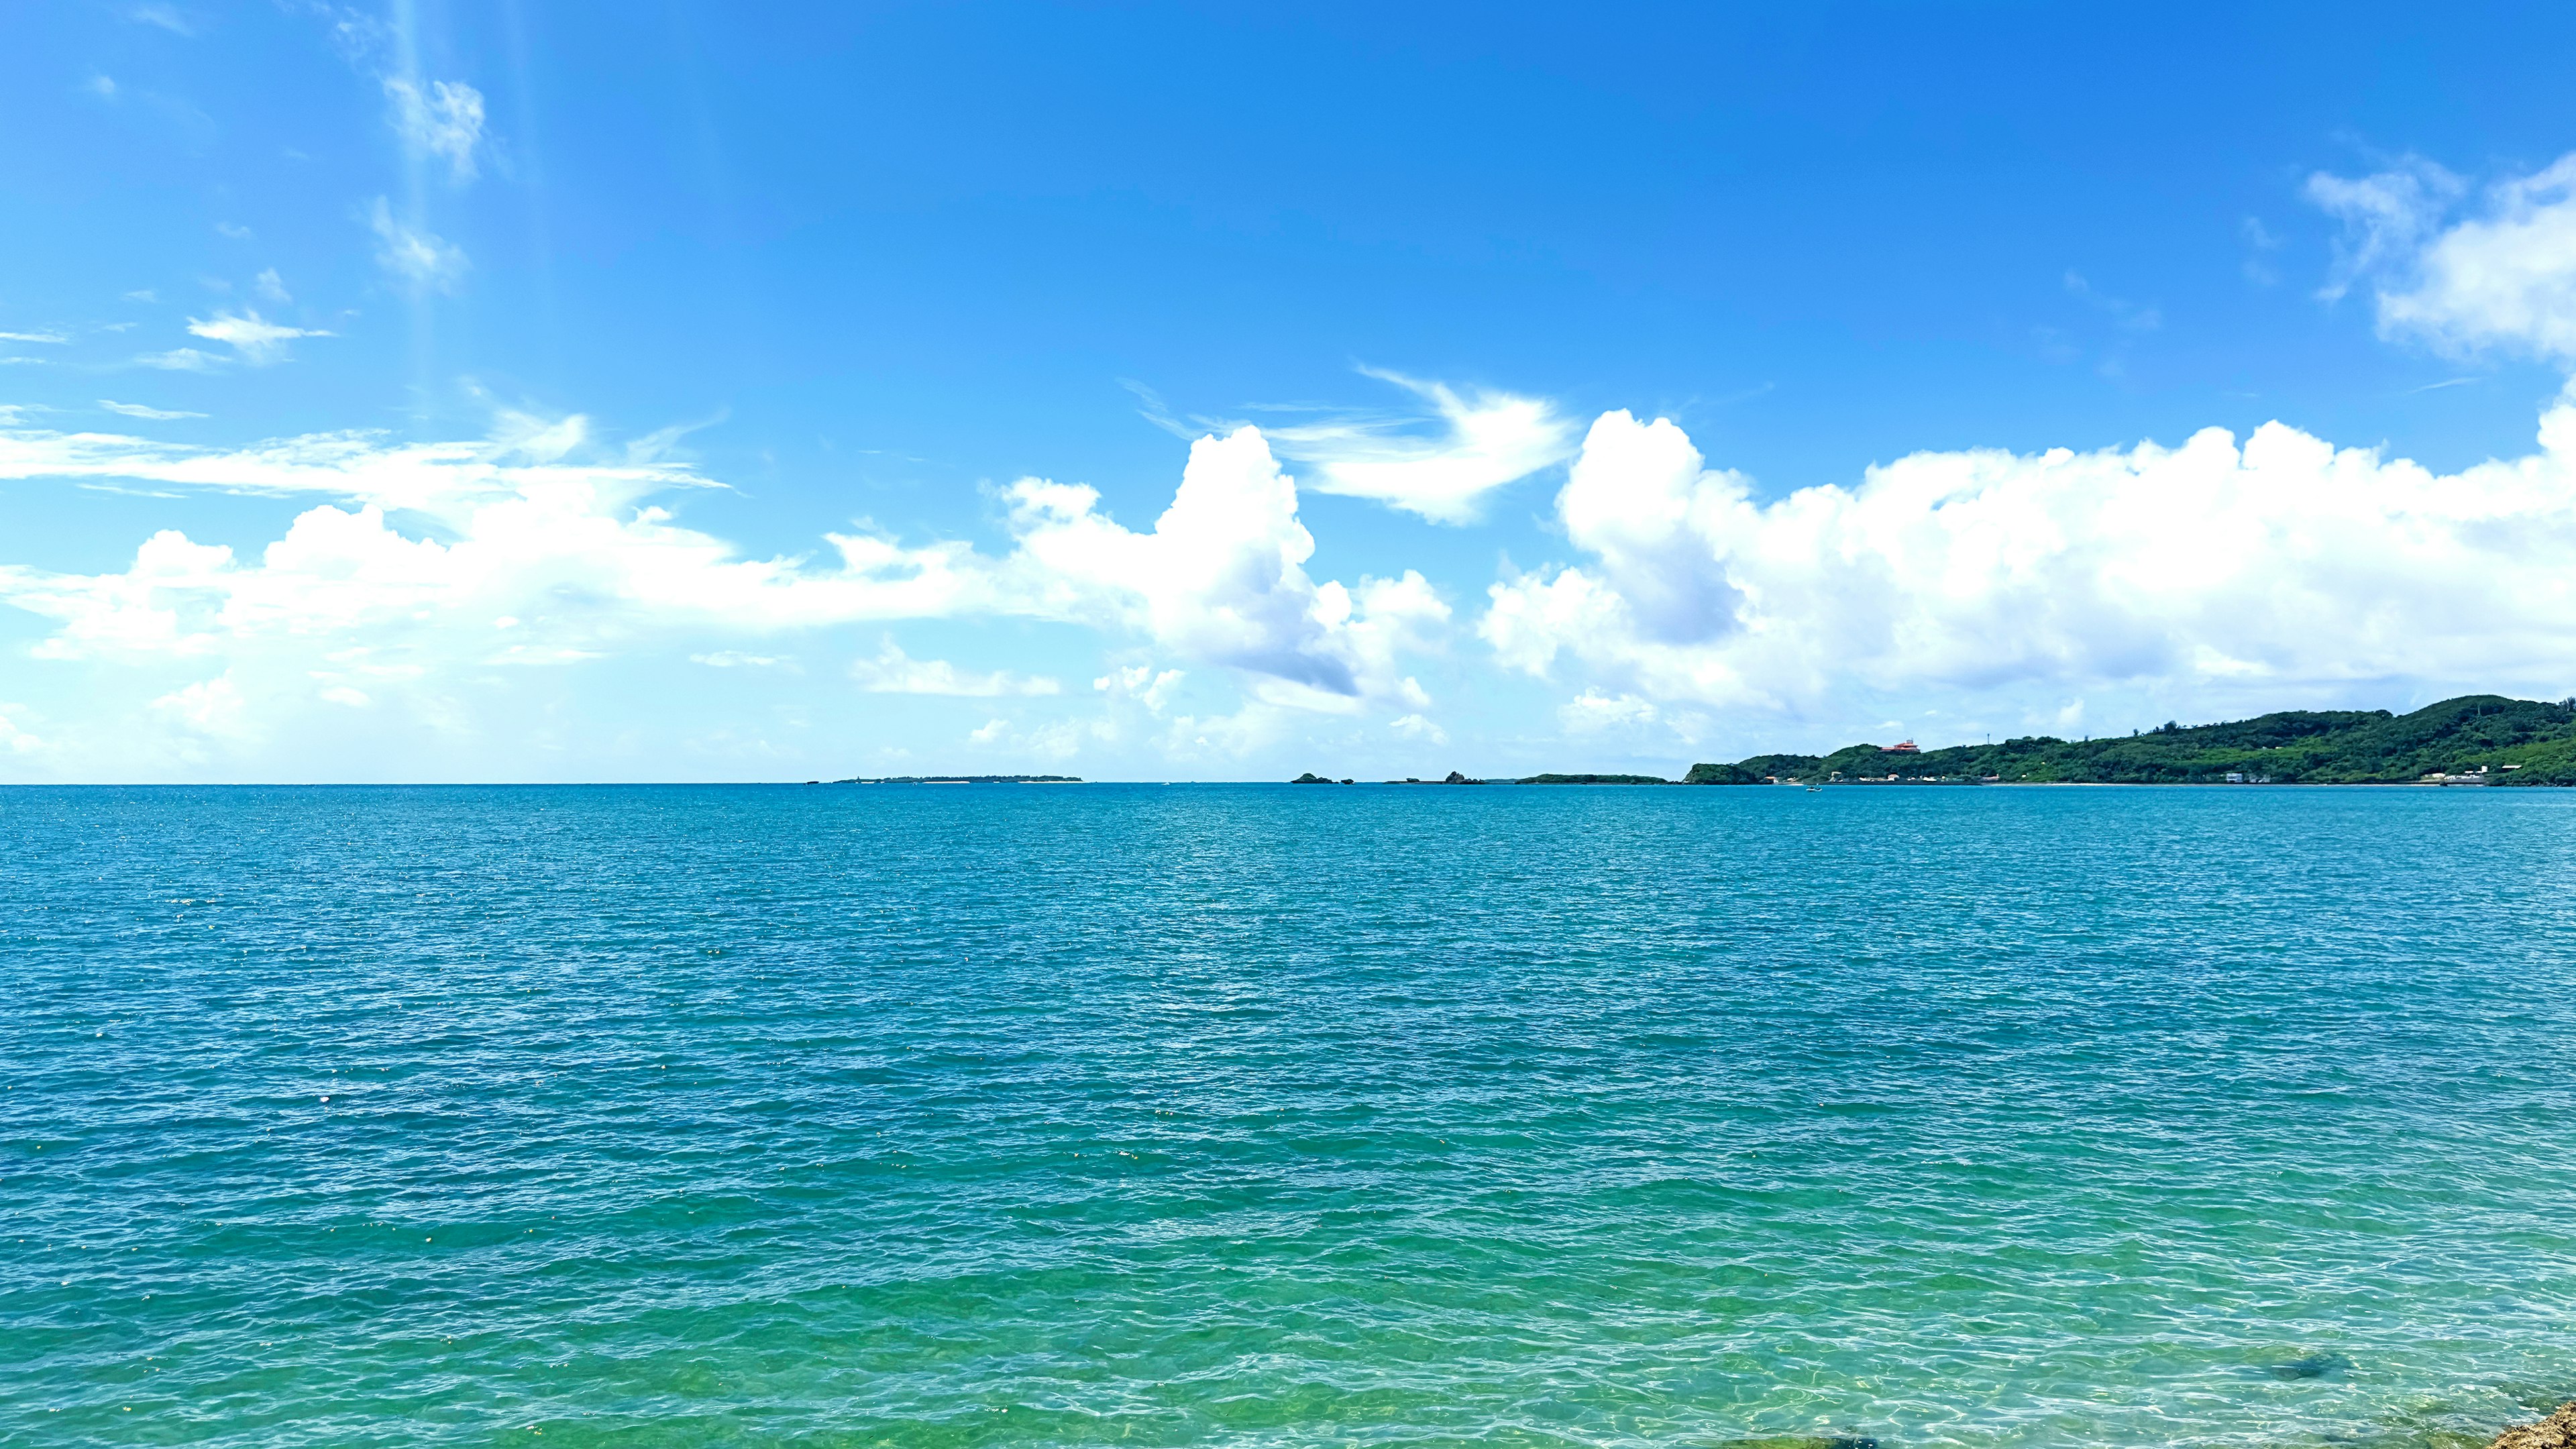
(1267, 1116)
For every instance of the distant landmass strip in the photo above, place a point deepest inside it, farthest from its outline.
(968, 780)
(2475, 739)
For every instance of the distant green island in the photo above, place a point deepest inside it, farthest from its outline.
(2477, 739)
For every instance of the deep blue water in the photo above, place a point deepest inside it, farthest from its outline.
(1265, 1115)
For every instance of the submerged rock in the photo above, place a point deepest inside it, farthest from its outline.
(2558, 1431)
(2313, 1366)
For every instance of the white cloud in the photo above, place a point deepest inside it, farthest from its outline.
(233, 230)
(1220, 580)
(1592, 712)
(166, 17)
(209, 706)
(732, 659)
(2503, 279)
(893, 672)
(2384, 215)
(1483, 441)
(138, 410)
(258, 340)
(1418, 727)
(568, 550)
(413, 254)
(15, 737)
(1054, 742)
(541, 547)
(271, 287)
(101, 85)
(2211, 569)
(40, 337)
(1141, 683)
(182, 359)
(443, 120)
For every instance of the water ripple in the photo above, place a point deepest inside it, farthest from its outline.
(1246, 1115)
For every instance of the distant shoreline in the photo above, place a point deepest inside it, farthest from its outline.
(2475, 740)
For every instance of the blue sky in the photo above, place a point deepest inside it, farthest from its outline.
(691, 392)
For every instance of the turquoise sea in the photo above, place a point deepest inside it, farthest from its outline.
(1258, 1115)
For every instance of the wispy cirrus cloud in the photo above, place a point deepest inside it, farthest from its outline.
(441, 120)
(163, 17)
(417, 256)
(254, 338)
(2130, 316)
(182, 359)
(2385, 215)
(139, 410)
(1441, 466)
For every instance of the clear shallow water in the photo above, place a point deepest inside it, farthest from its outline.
(1260, 1115)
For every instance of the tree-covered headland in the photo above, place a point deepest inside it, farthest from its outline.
(2509, 741)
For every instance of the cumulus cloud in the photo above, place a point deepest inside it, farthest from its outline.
(540, 547)
(1143, 684)
(568, 553)
(2500, 279)
(255, 339)
(443, 120)
(413, 254)
(2278, 561)
(209, 706)
(894, 672)
(1418, 727)
(1221, 580)
(1478, 442)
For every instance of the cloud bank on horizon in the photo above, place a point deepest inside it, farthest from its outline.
(2223, 569)
(442, 600)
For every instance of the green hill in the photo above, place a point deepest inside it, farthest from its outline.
(2517, 741)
